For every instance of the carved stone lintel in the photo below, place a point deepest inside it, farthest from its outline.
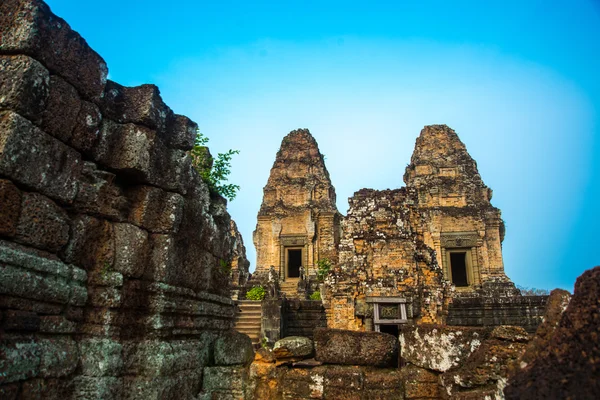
(459, 239)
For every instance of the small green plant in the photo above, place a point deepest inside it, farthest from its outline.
(315, 296)
(264, 343)
(323, 268)
(214, 172)
(225, 267)
(256, 293)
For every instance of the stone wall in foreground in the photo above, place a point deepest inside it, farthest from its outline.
(112, 250)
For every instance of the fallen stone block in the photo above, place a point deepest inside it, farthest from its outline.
(335, 346)
(439, 348)
(296, 347)
(232, 348)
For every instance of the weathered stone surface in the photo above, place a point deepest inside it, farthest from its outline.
(139, 105)
(100, 357)
(131, 250)
(63, 106)
(510, 333)
(485, 372)
(86, 131)
(570, 365)
(15, 320)
(541, 341)
(126, 148)
(29, 27)
(37, 160)
(99, 195)
(224, 382)
(181, 132)
(334, 346)
(50, 389)
(28, 275)
(10, 204)
(92, 244)
(439, 348)
(97, 387)
(293, 347)
(24, 86)
(154, 209)
(232, 348)
(42, 223)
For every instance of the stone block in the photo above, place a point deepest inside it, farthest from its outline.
(104, 297)
(125, 148)
(24, 86)
(42, 223)
(181, 132)
(62, 109)
(37, 160)
(510, 333)
(59, 357)
(86, 131)
(181, 386)
(100, 357)
(56, 324)
(139, 105)
(233, 348)
(439, 348)
(96, 387)
(10, 204)
(10, 392)
(334, 346)
(155, 210)
(132, 250)
(224, 378)
(293, 347)
(24, 283)
(92, 244)
(19, 360)
(16, 320)
(29, 27)
(152, 358)
(99, 195)
(47, 389)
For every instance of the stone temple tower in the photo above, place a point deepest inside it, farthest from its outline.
(298, 222)
(454, 215)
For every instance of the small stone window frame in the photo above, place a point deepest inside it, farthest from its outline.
(378, 302)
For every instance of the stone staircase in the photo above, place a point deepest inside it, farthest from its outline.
(289, 287)
(248, 319)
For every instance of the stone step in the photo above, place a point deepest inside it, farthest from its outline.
(249, 324)
(250, 312)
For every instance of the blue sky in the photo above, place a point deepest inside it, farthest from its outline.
(518, 80)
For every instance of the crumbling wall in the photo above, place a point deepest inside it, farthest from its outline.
(381, 256)
(112, 249)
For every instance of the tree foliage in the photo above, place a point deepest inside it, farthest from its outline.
(214, 172)
(323, 267)
(527, 291)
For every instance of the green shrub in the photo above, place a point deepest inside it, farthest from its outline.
(256, 293)
(214, 172)
(323, 267)
(315, 296)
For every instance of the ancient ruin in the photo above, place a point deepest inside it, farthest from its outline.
(118, 265)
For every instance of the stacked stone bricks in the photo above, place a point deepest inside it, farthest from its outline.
(112, 249)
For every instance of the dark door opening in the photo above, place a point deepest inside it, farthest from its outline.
(458, 265)
(294, 263)
(391, 329)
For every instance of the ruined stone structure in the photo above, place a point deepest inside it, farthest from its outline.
(298, 222)
(114, 256)
(400, 255)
